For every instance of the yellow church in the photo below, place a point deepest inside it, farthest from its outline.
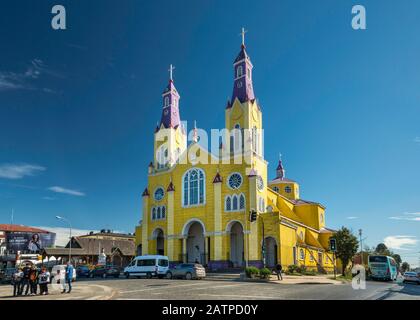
(218, 207)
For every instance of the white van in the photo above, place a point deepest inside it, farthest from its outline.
(148, 266)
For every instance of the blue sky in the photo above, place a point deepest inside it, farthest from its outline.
(78, 107)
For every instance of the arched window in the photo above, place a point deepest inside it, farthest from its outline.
(153, 213)
(276, 189)
(239, 71)
(241, 202)
(166, 101)
(228, 204)
(288, 189)
(194, 187)
(301, 235)
(301, 254)
(234, 203)
(158, 213)
(163, 212)
(162, 157)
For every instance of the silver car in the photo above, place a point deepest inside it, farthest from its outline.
(187, 271)
(411, 277)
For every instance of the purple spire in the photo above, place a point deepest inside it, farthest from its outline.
(242, 66)
(281, 173)
(170, 100)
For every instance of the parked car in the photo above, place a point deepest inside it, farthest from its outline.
(187, 271)
(62, 268)
(82, 271)
(411, 277)
(148, 266)
(105, 271)
(7, 274)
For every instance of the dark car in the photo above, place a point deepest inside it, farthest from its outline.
(82, 271)
(7, 275)
(105, 271)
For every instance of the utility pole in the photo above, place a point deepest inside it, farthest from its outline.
(361, 247)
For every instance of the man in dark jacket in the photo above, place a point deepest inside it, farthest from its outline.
(25, 280)
(279, 269)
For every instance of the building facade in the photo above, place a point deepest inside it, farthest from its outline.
(196, 206)
(119, 249)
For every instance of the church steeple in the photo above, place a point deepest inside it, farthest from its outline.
(242, 66)
(281, 173)
(170, 102)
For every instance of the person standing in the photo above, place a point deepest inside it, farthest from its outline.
(279, 269)
(44, 279)
(25, 280)
(17, 281)
(33, 280)
(69, 276)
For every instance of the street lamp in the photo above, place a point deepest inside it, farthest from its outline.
(64, 219)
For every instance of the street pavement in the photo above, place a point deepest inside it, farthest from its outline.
(146, 289)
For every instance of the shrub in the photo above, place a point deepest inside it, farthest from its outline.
(251, 271)
(302, 269)
(310, 272)
(265, 273)
(292, 268)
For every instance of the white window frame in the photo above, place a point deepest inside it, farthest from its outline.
(158, 209)
(300, 254)
(188, 205)
(238, 199)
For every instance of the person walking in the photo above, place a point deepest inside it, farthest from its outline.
(279, 269)
(44, 279)
(33, 280)
(17, 281)
(25, 280)
(68, 276)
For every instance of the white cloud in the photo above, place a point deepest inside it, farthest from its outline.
(63, 234)
(352, 218)
(400, 242)
(417, 140)
(413, 216)
(23, 80)
(19, 171)
(66, 191)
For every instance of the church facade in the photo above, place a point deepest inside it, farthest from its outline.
(197, 204)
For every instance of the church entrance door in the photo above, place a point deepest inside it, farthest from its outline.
(195, 244)
(271, 252)
(237, 245)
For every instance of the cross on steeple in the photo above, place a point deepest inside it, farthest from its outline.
(243, 36)
(171, 69)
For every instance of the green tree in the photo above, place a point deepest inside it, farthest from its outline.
(397, 259)
(405, 267)
(381, 248)
(347, 246)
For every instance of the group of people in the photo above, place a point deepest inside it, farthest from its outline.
(27, 278)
